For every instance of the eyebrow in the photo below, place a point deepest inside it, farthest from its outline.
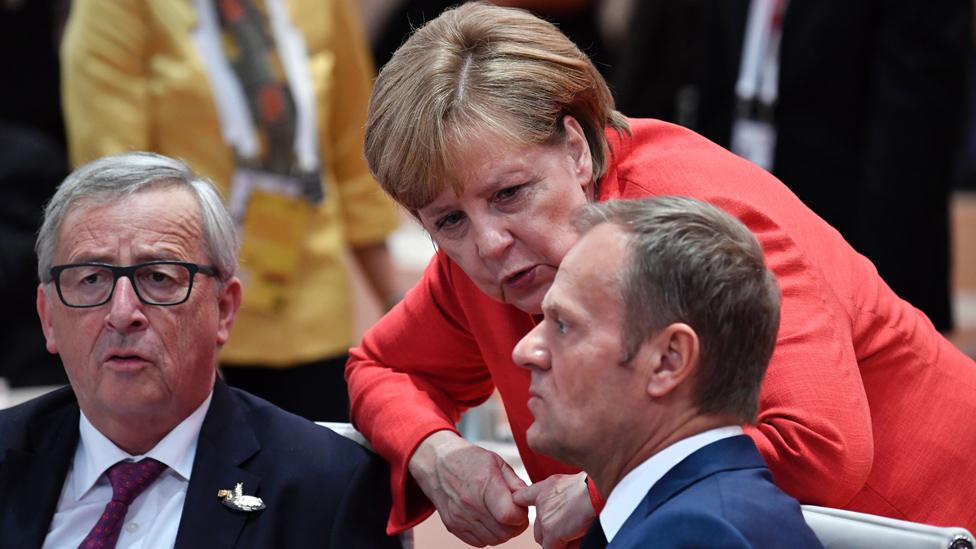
(139, 258)
(436, 212)
(551, 306)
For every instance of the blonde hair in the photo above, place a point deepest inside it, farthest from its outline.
(478, 68)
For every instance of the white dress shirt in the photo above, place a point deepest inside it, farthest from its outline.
(154, 516)
(630, 491)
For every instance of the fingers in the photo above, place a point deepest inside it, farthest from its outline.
(480, 527)
(515, 483)
(527, 496)
(475, 527)
(477, 534)
(563, 509)
(498, 500)
(557, 544)
(471, 489)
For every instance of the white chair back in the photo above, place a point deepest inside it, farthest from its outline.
(840, 529)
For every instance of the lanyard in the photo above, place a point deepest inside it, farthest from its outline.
(236, 124)
(759, 66)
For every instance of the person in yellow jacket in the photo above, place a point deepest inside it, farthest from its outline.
(267, 98)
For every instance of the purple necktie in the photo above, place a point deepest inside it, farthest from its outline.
(128, 479)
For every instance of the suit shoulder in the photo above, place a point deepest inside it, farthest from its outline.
(16, 421)
(747, 501)
(280, 431)
(683, 527)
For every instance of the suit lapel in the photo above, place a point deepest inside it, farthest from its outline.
(595, 537)
(31, 477)
(226, 442)
(738, 452)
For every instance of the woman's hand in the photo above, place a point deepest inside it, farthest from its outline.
(471, 488)
(563, 509)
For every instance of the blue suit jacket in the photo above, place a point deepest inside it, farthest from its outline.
(720, 496)
(321, 490)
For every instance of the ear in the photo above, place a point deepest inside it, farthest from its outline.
(674, 356)
(47, 318)
(228, 302)
(579, 150)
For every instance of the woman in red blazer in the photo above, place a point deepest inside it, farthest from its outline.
(491, 128)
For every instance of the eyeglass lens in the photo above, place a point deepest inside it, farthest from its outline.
(155, 283)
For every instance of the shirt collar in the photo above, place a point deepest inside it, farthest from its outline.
(96, 453)
(630, 491)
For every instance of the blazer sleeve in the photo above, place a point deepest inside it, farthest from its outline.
(104, 79)
(814, 423)
(413, 374)
(362, 514)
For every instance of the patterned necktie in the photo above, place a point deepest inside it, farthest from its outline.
(128, 479)
(251, 51)
(259, 70)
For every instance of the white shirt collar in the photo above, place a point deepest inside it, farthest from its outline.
(96, 453)
(630, 491)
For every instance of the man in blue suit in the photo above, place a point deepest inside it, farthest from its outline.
(656, 335)
(137, 260)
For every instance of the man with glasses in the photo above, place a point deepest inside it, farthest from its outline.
(147, 447)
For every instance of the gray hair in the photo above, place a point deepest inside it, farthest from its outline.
(693, 263)
(113, 178)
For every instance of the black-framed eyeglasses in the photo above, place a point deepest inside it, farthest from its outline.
(155, 282)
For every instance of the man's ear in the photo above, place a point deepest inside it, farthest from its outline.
(674, 357)
(579, 150)
(44, 312)
(228, 302)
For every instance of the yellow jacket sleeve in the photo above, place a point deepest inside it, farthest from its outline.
(368, 214)
(104, 86)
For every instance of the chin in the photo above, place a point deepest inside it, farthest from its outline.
(530, 304)
(539, 442)
(532, 310)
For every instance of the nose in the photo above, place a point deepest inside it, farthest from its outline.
(125, 313)
(492, 239)
(531, 352)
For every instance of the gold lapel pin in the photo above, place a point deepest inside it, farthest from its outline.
(238, 501)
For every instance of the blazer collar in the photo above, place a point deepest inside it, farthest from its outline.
(32, 473)
(728, 454)
(226, 442)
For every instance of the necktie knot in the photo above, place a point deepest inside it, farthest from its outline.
(130, 478)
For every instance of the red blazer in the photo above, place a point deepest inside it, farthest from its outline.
(864, 405)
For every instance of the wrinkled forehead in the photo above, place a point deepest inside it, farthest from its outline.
(163, 213)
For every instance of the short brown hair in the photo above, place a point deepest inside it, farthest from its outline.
(479, 67)
(691, 262)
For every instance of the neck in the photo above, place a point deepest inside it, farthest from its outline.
(137, 433)
(135, 439)
(607, 473)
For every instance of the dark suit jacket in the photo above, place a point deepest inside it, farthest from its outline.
(320, 489)
(721, 496)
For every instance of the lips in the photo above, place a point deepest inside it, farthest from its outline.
(520, 279)
(125, 360)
